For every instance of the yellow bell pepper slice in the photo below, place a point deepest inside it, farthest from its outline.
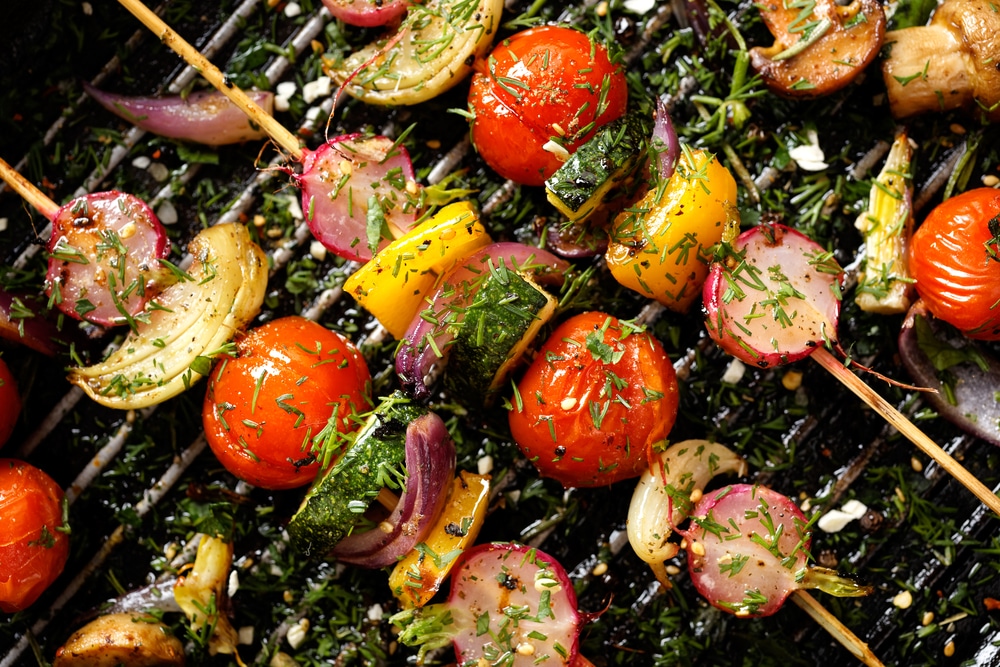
(415, 579)
(660, 247)
(393, 285)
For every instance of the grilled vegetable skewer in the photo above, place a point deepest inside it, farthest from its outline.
(775, 299)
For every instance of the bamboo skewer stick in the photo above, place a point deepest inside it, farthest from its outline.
(837, 630)
(28, 191)
(907, 428)
(281, 136)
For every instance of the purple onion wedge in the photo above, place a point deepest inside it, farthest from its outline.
(358, 193)
(665, 141)
(430, 467)
(104, 258)
(774, 298)
(489, 585)
(424, 348)
(964, 374)
(205, 117)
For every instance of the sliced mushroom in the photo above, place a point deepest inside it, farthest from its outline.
(121, 639)
(952, 63)
(818, 52)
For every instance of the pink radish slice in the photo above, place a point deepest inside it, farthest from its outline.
(506, 598)
(747, 548)
(427, 342)
(358, 192)
(104, 250)
(774, 299)
(205, 117)
(366, 13)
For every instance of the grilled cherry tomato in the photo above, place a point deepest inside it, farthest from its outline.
(597, 396)
(292, 390)
(955, 259)
(10, 403)
(33, 542)
(541, 85)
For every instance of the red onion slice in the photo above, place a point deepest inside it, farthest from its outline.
(357, 192)
(775, 299)
(665, 141)
(103, 254)
(430, 467)
(24, 320)
(970, 399)
(426, 344)
(491, 580)
(365, 13)
(207, 117)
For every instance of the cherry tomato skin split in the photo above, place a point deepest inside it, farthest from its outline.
(10, 403)
(596, 397)
(264, 406)
(538, 84)
(950, 258)
(34, 545)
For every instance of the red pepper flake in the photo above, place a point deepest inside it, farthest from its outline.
(17, 118)
(991, 604)
(157, 154)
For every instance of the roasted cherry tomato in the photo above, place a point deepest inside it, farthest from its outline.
(292, 390)
(597, 396)
(955, 259)
(541, 85)
(10, 403)
(34, 544)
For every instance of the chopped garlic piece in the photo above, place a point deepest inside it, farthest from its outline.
(809, 156)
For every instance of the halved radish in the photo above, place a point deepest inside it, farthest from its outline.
(365, 13)
(104, 257)
(358, 193)
(747, 550)
(774, 298)
(509, 605)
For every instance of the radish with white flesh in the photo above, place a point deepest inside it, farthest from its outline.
(747, 550)
(365, 13)
(774, 297)
(104, 257)
(509, 605)
(358, 193)
(666, 493)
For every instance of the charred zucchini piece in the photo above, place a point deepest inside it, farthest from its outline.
(498, 328)
(585, 179)
(337, 501)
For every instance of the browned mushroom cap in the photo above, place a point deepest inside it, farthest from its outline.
(950, 64)
(820, 51)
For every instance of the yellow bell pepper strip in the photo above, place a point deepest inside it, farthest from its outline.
(393, 285)
(415, 579)
(660, 247)
(885, 285)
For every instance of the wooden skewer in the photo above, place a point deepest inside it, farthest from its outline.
(28, 191)
(907, 428)
(281, 136)
(837, 630)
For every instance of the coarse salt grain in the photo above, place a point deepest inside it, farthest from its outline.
(293, 9)
(484, 465)
(314, 90)
(317, 250)
(141, 162)
(286, 88)
(734, 372)
(167, 213)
